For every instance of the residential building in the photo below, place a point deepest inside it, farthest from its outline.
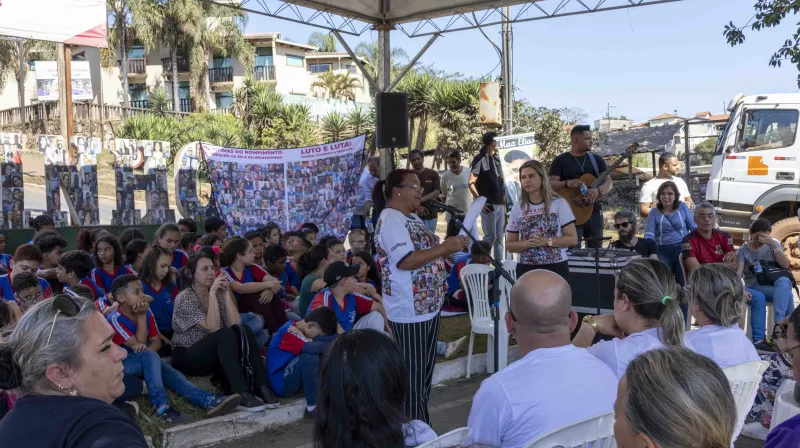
(613, 124)
(290, 68)
(664, 119)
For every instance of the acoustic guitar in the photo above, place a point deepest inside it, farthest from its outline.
(582, 208)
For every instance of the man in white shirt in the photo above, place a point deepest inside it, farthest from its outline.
(668, 167)
(554, 384)
(455, 184)
(364, 193)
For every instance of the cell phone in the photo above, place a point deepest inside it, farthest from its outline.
(227, 276)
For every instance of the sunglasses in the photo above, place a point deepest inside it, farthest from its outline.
(624, 225)
(67, 305)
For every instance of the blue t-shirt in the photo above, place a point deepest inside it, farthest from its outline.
(252, 273)
(453, 279)
(163, 303)
(104, 279)
(291, 275)
(5, 261)
(8, 291)
(179, 259)
(283, 348)
(354, 305)
(785, 435)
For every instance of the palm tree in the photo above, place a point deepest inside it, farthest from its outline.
(129, 19)
(10, 61)
(178, 25)
(333, 127)
(158, 101)
(337, 85)
(420, 88)
(220, 33)
(370, 52)
(325, 42)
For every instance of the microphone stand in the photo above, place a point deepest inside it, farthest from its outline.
(499, 271)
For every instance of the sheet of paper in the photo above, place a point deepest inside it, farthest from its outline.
(471, 218)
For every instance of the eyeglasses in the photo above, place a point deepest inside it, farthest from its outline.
(624, 225)
(66, 305)
(36, 297)
(415, 187)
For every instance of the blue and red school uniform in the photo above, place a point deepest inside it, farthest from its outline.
(283, 348)
(5, 261)
(179, 259)
(252, 273)
(104, 279)
(125, 328)
(453, 280)
(292, 277)
(130, 268)
(354, 305)
(100, 300)
(8, 291)
(163, 303)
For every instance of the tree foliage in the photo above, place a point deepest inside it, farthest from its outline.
(337, 85)
(325, 42)
(769, 14)
(552, 131)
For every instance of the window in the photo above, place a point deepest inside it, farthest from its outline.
(294, 61)
(353, 69)
(136, 51)
(221, 62)
(263, 57)
(320, 68)
(224, 100)
(138, 92)
(183, 90)
(769, 129)
(677, 139)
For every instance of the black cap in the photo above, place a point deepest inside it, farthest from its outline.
(339, 270)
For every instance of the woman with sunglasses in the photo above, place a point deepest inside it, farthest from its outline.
(667, 224)
(541, 225)
(414, 279)
(61, 362)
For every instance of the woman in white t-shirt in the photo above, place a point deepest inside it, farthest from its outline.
(414, 280)
(647, 316)
(541, 225)
(717, 301)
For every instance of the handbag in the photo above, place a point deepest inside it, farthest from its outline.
(244, 357)
(771, 272)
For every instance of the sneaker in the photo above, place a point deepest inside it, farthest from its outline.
(221, 405)
(250, 403)
(310, 415)
(269, 398)
(452, 347)
(755, 430)
(172, 416)
(763, 347)
(130, 408)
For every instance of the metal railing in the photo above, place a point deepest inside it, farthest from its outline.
(186, 105)
(264, 73)
(221, 111)
(80, 111)
(222, 74)
(183, 65)
(140, 104)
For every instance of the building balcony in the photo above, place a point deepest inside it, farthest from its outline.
(136, 66)
(140, 104)
(183, 65)
(185, 104)
(218, 75)
(264, 73)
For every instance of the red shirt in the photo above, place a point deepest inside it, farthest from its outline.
(707, 251)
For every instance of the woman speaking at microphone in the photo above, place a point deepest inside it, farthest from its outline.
(414, 279)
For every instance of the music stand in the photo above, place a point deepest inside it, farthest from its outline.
(597, 263)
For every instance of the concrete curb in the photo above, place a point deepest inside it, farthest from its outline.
(243, 424)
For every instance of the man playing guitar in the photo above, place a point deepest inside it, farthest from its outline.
(566, 170)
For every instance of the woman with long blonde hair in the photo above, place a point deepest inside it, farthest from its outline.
(541, 226)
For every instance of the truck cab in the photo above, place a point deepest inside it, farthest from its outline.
(756, 169)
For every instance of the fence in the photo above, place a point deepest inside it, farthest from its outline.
(80, 111)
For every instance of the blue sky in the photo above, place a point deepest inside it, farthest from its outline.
(645, 61)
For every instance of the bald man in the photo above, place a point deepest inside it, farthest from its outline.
(554, 384)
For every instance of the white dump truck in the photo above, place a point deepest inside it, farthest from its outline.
(756, 169)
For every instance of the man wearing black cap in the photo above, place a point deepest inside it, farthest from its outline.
(352, 310)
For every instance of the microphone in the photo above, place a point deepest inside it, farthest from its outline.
(443, 206)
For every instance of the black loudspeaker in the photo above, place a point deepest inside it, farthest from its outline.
(391, 110)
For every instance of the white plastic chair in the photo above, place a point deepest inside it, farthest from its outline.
(452, 438)
(475, 278)
(597, 432)
(744, 380)
(505, 289)
(785, 405)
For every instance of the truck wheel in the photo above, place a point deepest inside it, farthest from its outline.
(787, 231)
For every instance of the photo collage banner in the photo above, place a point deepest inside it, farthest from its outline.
(287, 186)
(141, 165)
(72, 169)
(13, 191)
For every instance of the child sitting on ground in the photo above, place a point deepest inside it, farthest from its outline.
(73, 269)
(27, 290)
(275, 263)
(52, 245)
(299, 248)
(5, 259)
(358, 243)
(136, 331)
(27, 259)
(294, 354)
(456, 296)
(108, 262)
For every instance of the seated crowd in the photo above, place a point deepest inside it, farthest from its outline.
(268, 314)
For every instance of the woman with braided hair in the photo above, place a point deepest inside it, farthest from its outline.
(61, 362)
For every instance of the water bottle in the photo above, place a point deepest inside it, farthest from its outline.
(370, 229)
(757, 266)
(584, 188)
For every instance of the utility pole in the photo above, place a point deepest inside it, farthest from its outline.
(508, 72)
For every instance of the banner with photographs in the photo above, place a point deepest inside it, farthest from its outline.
(186, 191)
(287, 186)
(13, 192)
(47, 86)
(71, 170)
(514, 150)
(11, 145)
(141, 165)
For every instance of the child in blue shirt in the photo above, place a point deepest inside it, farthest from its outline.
(108, 262)
(456, 297)
(157, 283)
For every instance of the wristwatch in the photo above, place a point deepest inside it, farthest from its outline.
(590, 320)
(550, 242)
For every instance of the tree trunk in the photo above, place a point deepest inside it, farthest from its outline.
(412, 123)
(124, 53)
(206, 85)
(176, 100)
(423, 131)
